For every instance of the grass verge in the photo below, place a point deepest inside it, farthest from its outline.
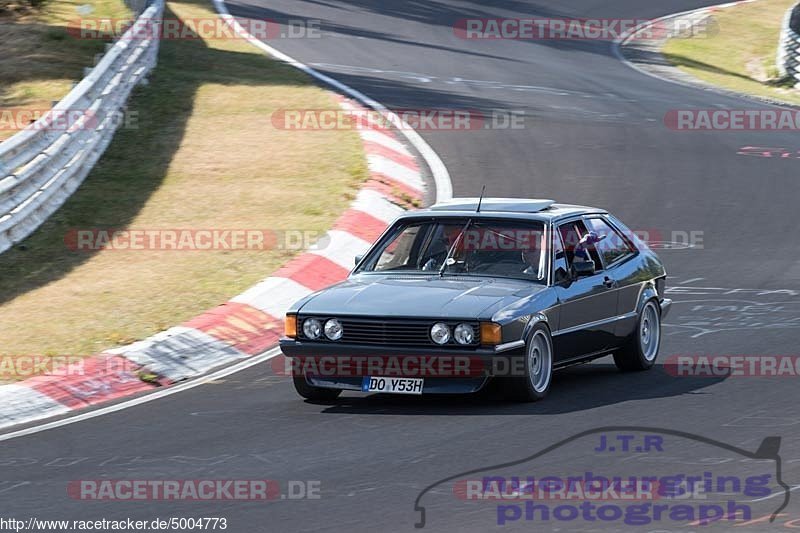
(203, 154)
(741, 56)
(39, 61)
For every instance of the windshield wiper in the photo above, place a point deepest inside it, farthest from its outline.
(453, 247)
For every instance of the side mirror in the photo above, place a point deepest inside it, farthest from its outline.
(359, 258)
(582, 269)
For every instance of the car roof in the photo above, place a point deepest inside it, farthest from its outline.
(528, 208)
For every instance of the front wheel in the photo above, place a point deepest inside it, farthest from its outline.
(315, 394)
(535, 384)
(641, 350)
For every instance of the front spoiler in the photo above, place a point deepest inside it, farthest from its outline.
(431, 385)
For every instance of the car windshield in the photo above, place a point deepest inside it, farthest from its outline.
(508, 249)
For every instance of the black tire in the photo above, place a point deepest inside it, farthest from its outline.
(315, 394)
(538, 363)
(641, 349)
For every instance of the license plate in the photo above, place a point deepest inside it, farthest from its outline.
(393, 385)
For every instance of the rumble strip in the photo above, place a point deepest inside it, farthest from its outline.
(246, 325)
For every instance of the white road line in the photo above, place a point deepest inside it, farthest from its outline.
(619, 42)
(444, 191)
(20, 484)
(441, 177)
(776, 493)
(168, 391)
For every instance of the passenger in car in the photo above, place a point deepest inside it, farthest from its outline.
(582, 248)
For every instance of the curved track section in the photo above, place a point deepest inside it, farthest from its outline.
(593, 133)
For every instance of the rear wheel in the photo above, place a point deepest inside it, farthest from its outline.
(641, 349)
(535, 384)
(310, 392)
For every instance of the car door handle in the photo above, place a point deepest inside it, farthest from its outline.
(608, 282)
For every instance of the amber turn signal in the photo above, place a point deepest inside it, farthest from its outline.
(290, 326)
(491, 334)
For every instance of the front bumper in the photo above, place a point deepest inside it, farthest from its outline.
(296, 348)
(445, 370)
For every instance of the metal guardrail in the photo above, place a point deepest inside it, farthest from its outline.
(42, 165)
(788, 58)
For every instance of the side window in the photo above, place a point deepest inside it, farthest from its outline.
(399, 252)
(571, 234)
(560, 265)
(612, 246)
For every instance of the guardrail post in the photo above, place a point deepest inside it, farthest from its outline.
(787, 59)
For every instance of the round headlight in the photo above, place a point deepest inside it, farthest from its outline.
(440, 333)
(464, 334)
(312, 328)
(333, 329)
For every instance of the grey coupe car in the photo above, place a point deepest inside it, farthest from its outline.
(471, 290)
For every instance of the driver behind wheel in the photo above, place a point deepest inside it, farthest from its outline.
(532, 256)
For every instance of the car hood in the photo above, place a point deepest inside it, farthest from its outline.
(416, 296)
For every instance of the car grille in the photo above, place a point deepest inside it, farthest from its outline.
(397, 332)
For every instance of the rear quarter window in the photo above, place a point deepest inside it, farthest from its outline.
(613, 246)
